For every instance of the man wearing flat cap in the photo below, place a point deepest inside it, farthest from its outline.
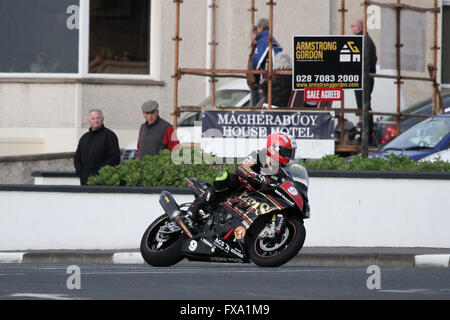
(155, 133)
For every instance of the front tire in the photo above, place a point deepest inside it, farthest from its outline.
(161, 255)
(265, 253)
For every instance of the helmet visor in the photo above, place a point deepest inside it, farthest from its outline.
(287, 152)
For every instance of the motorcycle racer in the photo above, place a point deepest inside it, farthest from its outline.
(240, 223)
(222, 186)
(258, 169)
(263, 165)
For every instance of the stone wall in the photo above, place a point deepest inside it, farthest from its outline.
(18, 169)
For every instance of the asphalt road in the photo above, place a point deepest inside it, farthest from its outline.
(195, 281)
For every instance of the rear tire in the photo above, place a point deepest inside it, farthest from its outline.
(170, 251)
(289, 245)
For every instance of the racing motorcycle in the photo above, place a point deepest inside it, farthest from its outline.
(263, 227)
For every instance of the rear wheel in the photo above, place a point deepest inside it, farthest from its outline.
(161, 243)
(273, 252)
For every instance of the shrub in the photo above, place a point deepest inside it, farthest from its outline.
(162, 171)
(159, 171)
(391, 163)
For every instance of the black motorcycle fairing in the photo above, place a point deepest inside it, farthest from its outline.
(198, 187)
(244, 208)
(210, 247)
(249, 205)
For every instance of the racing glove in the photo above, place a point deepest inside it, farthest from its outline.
(258, 179)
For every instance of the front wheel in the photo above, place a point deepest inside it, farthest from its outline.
(273, 252)
(162, 242)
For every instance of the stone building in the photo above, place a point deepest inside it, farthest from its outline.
(60, 58)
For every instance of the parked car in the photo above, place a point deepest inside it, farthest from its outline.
(443, 155)
(424, 139)
(386, 130)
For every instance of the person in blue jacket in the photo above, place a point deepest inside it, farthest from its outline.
(260, 60)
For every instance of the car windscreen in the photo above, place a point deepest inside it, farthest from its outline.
(425, 135)
(227, 98)
(422, 107)
(189, 119)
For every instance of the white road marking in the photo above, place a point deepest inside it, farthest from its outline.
(432, 260)
(11, 257)
(409, 291)
(43, 296)
(203, 270)
(127, 257)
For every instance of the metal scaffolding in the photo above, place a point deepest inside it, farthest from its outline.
(213, 73)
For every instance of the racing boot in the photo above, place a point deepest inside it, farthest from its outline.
(199, 204)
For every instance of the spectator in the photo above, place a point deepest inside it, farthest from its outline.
(251, 78)
(282, 84)
(104, 54)
(260, 60)
(43, 63)
(357, 29)
(155, 133)
(97, 148)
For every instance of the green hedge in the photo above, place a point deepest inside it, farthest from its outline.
(162, 171)
(392, 163)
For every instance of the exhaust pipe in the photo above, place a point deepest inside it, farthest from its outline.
(177, 217)
(172, 210)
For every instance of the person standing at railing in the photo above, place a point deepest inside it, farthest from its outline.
(260, 56)
(357, 29)
(282, 83)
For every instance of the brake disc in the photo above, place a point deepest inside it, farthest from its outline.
(271, 244)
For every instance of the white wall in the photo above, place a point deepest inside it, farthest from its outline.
(344, 212)
(37, 220)
(379, 212)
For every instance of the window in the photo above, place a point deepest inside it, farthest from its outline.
(38, 36)
(226, 98)
(51, 37)
(119, 36)
(445, 75)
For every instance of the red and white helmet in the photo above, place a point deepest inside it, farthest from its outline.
(281, 147)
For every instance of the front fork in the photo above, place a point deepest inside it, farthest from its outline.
(275, 228)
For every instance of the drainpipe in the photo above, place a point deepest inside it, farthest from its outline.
(208, 47)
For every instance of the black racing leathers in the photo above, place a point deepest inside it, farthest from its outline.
(257, 170)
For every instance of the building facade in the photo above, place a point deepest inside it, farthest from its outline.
(61, 58)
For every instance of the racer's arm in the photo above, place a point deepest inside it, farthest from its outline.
(249, 170)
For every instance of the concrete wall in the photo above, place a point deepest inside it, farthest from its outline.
(18, 169)
(344, 212)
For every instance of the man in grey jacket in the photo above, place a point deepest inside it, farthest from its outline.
(155, 133)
